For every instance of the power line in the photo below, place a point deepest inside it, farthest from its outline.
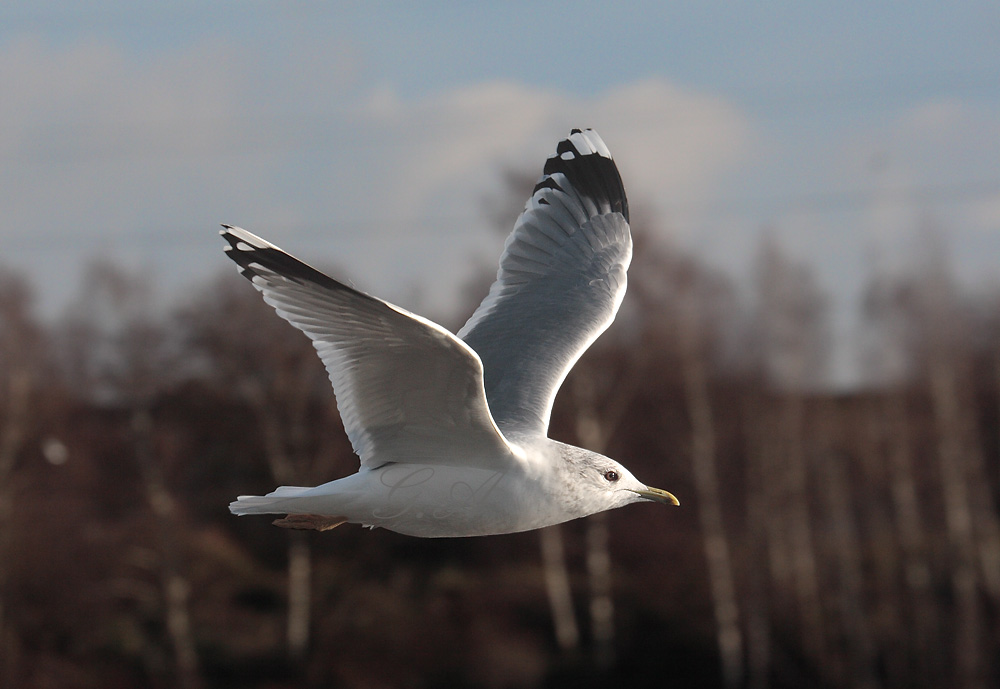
(149, 237)
(851, 199)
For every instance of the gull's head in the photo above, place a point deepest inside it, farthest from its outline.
(596, 483)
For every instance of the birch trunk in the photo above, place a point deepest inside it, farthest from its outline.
(594, 431)
(175, 587)
(12, 434)
(924, 622)
(729, 639)
(858, 666)
(757, 605)
(602, 603)
(804, 567)
(794, 336)
(557, 587)
(958, 519)
(299, 595)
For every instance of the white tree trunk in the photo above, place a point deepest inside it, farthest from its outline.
(602, 604)
(557, 587)
(858, 666)
(298, 622)
(917, 576)
(729, 638)
(299, 593)
(769, 568)
(13, 430)
(803, 552)
(757, 604)
(175, 587)
(958, 519)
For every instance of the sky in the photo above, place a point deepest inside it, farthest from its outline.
(369, 137)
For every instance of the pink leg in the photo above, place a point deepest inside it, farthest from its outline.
(318, 522)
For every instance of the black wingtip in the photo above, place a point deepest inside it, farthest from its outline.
(592, 173)
(254, 256)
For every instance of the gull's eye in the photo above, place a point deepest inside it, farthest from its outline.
(611, 475)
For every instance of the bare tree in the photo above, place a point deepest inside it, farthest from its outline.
(282, 416)
(20, 357)
(119, 354)
(959, 461)
(694, 347)
(888, 315)
(276, 373)
(856, 663)
(793, 332)
(690, 300)
(594, 426)
(925, 325)
(557, 587)
(763, 541)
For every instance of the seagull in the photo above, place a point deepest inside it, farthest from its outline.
(451, 429)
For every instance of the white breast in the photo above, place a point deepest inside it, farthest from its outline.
(441, 501)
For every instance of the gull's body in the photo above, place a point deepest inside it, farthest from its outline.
(451, 430)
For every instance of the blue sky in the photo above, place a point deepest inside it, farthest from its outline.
(367, 135)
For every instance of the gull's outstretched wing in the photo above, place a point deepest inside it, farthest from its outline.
(407, 389)
(560, 282)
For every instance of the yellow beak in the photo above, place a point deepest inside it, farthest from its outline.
(657, 495)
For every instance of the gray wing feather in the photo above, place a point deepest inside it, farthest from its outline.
(561, 279)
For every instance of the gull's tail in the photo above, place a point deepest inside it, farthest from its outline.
(301, 508)
(283, 500)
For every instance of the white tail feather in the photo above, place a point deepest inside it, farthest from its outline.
(280, 501)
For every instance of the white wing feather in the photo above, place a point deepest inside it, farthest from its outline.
(407, 389)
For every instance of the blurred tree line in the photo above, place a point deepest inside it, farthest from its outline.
(825, 539)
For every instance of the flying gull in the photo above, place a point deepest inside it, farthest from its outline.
(452, 429)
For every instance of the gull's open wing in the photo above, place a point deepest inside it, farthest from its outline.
(407, 389)
(560, 282)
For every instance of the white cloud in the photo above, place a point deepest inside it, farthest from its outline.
(984, 214)
(101, 151)
(140, 158)
(440, 156)
(936, 163)
(672, 145)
